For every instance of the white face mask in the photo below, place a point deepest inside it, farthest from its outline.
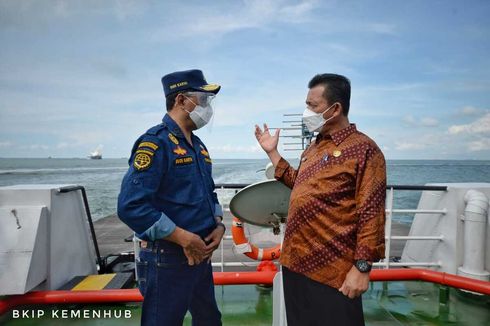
(201, 115)
(315, 121)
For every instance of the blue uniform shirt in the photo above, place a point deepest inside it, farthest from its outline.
(168, 184)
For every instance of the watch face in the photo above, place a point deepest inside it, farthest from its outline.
(362, 265)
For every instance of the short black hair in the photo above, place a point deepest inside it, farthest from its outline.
(337, 89)
(170, 100)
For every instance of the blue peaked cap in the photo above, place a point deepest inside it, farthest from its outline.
(187, 80)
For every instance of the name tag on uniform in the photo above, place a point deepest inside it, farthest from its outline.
(184, 160)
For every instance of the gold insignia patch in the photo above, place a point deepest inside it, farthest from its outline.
(210, 87)
(148, 144)
(337, 153)
(204, 152)
(178, 85)
(208, 160)
(184, 160)
(173, 139)
(180, 151)
(145, 151)
(142, 161)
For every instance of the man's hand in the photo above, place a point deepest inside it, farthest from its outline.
(194, 247)
(266, 141)
(355, 283)
(215, 238)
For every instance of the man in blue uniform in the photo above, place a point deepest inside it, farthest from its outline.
(167, 197)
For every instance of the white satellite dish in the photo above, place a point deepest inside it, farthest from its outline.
(264, 203)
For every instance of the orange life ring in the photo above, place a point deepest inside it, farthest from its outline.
(239, 238)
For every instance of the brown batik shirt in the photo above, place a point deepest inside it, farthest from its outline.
(337, 206)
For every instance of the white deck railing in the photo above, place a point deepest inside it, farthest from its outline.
(390, 211)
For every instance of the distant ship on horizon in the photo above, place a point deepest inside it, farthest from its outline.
(96, 154)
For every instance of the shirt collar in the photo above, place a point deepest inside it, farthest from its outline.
(172, 126)
(339, 136)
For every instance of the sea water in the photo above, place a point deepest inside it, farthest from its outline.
(102, 178)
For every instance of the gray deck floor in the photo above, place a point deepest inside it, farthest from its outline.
(111, 233)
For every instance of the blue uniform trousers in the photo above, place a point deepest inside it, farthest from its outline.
(171, 287)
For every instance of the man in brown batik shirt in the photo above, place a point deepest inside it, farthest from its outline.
(335, 227)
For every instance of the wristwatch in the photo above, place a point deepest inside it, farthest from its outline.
(363, 266)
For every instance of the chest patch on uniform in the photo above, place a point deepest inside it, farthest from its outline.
(173, 139)
(184, 160)
(180, 151)
(204, 152)
(142, 160)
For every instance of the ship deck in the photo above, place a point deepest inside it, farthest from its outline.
(111, 233)
(385, 303)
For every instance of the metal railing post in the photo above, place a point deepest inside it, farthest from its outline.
(388, 228)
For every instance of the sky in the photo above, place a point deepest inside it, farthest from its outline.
(78, 74)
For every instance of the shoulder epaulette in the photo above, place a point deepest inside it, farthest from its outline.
(156, 129)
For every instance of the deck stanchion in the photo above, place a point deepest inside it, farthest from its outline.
(388, 228)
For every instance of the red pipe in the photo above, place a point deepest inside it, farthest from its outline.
(455, 281)
(59, 297)
(229, 278)
(122, 295)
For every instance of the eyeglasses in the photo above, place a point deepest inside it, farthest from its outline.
(204, 99)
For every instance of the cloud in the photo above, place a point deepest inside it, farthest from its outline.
(429, 122)
(124, 9)
(298, 12)
(110, 68)
(409, 120)
(394, 87)
(37, 147)
(212, 22)
(480, 126)
(237, 110)
(62, 145)
(407, 146)
(5, 144)
(470, 111)
(382, 28)
(39, 15)
(236, 149)
(439, 145)
(420, 142)
(479, 145)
